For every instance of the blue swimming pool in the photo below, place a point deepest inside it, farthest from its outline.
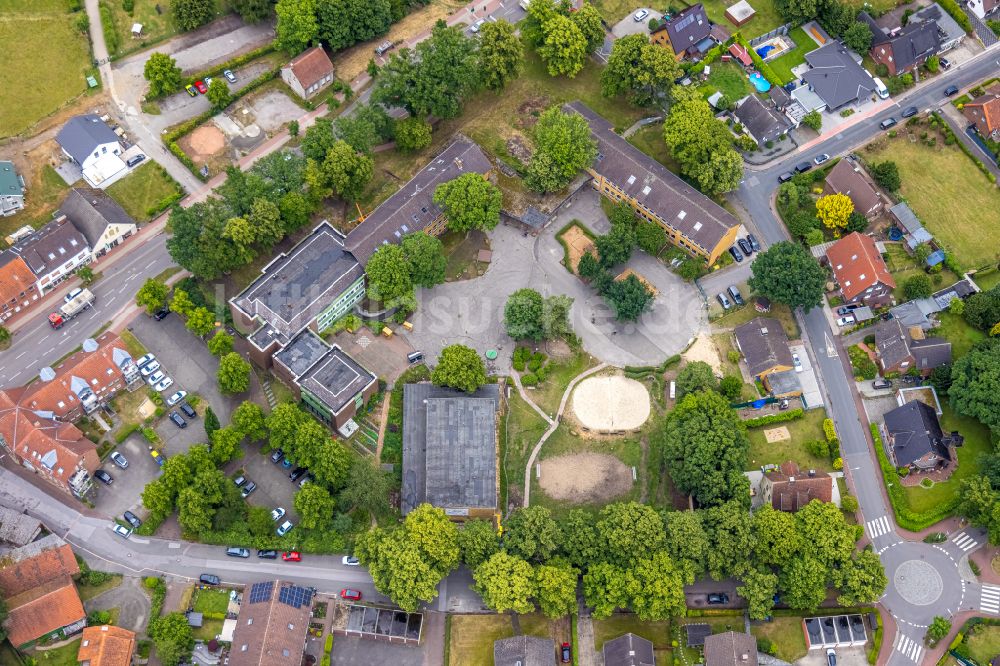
(759, 82)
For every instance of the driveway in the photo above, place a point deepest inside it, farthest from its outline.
(130, 599)
(124, 494)
(186, 359)
(274, 488)
(629, 26)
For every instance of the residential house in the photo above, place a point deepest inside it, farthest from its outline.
(730, 649)
(98, 217)
(913, 438)
(17, 528)
(18, 289)
(36, 582)
(53, 253)
(628, 650)
(907, 48)
(761, 122)
(983, 8)
(962, 289)
(951, 34)
(90, 143)
(788, 489)
(56, 451)
(106, 646)
(524, 651)
(860, 271)
(848, 178)
(83, 382)
(272, 625)
(836, 77)
(328, 382)
(764, 346)
(450, 449)
(622, 172)
(686, 33)
(779, 97)
(900, 349)
(11, 189)
(309, 72)
(984, 113)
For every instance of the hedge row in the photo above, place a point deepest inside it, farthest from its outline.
(956, 13)
(644, 369)
(762, 67)
(780, 417)
(233, 63)
(877, 641)
(946, 129)
(158, 590)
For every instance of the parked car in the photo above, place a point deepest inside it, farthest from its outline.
(754, 245)
(640, 16)
(208, 82)
(267, 554)
(176, 397)
(135, 159)
(785, 177)
(200, 85)
(73, 293)
(190, 90)
(846, 321)
(477, 25)
(209, 579)
(735, 251)
(350, 561)
(821, 158)
(286, 463)
(240, 480)
(149, 368)
(802, 167)
(228, 73)
(297, 473)
(831, 657)
(234, 551)
(846, 309)
(715, 598)
(383, 48)
(305, 479)
(178, 420)
(161, 314)
(104, 477)
(143, 360)
(291, 556)
(285, 527)
(797, 362)
(951, 90)
(163, 384)
(276, 455)
(247, 489)
(735, 294)
(157, 458)
(887, 123)
(944, 62)
(188, 410)
(155, 378)
(119, 459)
(278, 514)
(132, 519)
(745, 246)
(724, 302)
(909, 112)
(882, 383)
(350, 595)
(121, 530)
(565, 655)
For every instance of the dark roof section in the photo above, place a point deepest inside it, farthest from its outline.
(449, 447)
(915, 432)
(891, 343)
(91, 211)
(50, 247)
(878, 35)
(412, 208)
(729, 649)
(304, 351)
(764, 344)
(336, 379)
(779, 96)
(846, 178)
(524, 651)
(629, 650)
(688, 28)
(763, 123)
(295, 287)
(930, 353)
(836, 77)
(81, 134)
(654, 186)
(916, 41)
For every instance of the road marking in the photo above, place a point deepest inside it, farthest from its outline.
(20, 355)
(879, 526)
(989, 599)
(965, 542)
(908, 647)
(150, 264)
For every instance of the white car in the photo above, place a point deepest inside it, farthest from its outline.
(277, 514)
(820, 159)
(121, 530)
(229, 75)
(285, 528)
(155, 378)
(640, 15)
(149, 368)
(477, 25)
(163, 384)
(119, 460)
(350, 561)
(176, 397)
(845, 321)
(72, 294)
(797, 363)
(143, 360)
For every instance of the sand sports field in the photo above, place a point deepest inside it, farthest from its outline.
(578, 243)
(585, 478)
(611, 402)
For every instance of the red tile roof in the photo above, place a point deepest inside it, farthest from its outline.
(740, 53)
(35, 564)
(106, 646)
(311, 66)
(985, 111)
(857, 265)
(15, 277)
(793, 489)
(43, 609)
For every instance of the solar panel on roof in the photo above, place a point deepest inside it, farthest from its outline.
(294, 596)
(261, 591)
(685, 22)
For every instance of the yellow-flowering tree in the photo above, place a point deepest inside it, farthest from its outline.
(834, 210)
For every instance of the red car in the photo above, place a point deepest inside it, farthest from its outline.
(200, 85)
(350, 595)
(292, 556)
(564, 653)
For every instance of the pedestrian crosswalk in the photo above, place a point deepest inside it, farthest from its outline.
(989, 599)
(911, 649)
(965, 542)
(879, 526)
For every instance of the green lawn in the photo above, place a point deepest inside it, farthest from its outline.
(957, 331)
(523, 427)
(987, 281)
(46, 191)
(211, 601)
(808, 428)
(783, 64)
(649, 140)
(615, 10)
(208, 630)
(788, 635)
(143, 192)
(765, 19)
(60, 656)
(977, 441)
(729, 79)
(960, 210)
(548, 394)
(461, 250)
(45, 61)
(903, 266)
(984, 643)
(719, 625)
(156, 26)
(658, 633)
(472, 636)
(90, 591)
(741, 316)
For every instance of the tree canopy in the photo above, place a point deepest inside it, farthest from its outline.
(163, 74)
(501, 54)
(388, 274)
(469, 202)
(703, 146)
(787, 273)
(233, 374)
(459, 367)
(975, 386)
(640, 69)
(563, 146)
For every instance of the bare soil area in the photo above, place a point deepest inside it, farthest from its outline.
(703, 349)
(773, 435)
(579, 244)
(585, 478)
(611, 403)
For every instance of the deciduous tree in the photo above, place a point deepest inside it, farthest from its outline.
(315, 506)
(469, 202)
(858, 37)
(388, 274)
(173, 638)
(459, 367)
(834, 210)
(588, 20)
(220, 344)
(347, 171)
(233, 374)
(686, 542)
(226, 444)
(191, 14)
(367, 488)
(163, 74)
(477, 541)
(886, 174)
(501, 54)
(605, 589)
(776, 536)
(862, 581)
(435, 535)
(564, 46)
(425, 255)
(975, 387)
(918, 286)
(413, 133)
(253, 11)
(656, 588)
(564, 138)
(555, 588)
(282, 424)
(297, 26)
(152, 295)
(695, 376)
(759, 587)
(331, 464)
(522, 315)
(787, 273)
(803, 583)
(200, 322)
(248, 419)
(506, 583)
(531, 533)
(703, 146)
(629, 298)
(630, 532)
(730, 535)
(218, 94)
(639, 69)
(397, 567)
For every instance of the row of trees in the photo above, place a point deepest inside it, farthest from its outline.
(336, 23)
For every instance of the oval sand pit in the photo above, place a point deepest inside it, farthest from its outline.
(585, 478)
(611, 403)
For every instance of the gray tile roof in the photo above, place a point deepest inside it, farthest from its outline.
(915, 431)
(764, 344)
(689, 27)
(629, 650)
(524, 651)
(878, 35)
(891, 343)
(906, 218)
(728, 649)
(930, 353)
(960, 289)
(948, 28)
(763, 123)
(785, 382)
(654, 186)
(846, 178)
(449, 447)
(836, 77)
(916, 41)
(412, 208)
(303, 352)
(91, 211)
(50, 247)
(16, 528)
(336, 379)
(81, 134)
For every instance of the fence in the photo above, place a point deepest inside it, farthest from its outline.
(781, 30)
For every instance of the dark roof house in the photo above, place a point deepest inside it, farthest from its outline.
(899, 349)
(836, 76)
(730, 649)
(914, 437)
(82, 134)
(764, 346)
(271, 627)
(629, 650)
(761, 122)
(848, 178)
(687, 30)
(91, 211)
(524, 651)
(908, 48)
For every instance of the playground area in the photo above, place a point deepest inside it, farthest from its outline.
(611, 403)
(585, 478)
(577, 244)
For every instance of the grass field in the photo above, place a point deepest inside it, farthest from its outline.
(780, 312)
(45, 61)
(787, 634)
(211, 601)
(729, 79)
(783, 64)
(808, 428)
(90, 591)
(548, 394)
(142, 190)
(984, 643)
(60, 656)
(988, 280)
(903, 266)
(658, 633)
(977, 441)
(523, 428)
(45, 193)
(960, 228)
(765, 19)
(957, 331)
(472, 636)
(649, 140)
(156, 26)
(208, 630)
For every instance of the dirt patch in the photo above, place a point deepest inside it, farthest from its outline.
(773, 435)
(611, 403)
(528, 112)
(704, 350)
(204, 142)
(638, 276)
(146, 409)
(517, 147)
(585, 478)
(578, 244)
(558, 349)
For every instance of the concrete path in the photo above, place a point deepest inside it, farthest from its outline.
(553, 424)
(131, 600)
(586, 651)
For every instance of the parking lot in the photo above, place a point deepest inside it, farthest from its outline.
(274, 488)
(124, 492)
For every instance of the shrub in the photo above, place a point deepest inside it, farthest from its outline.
(534, 365)
(530, 379)
(733, 356)
(818, 448)
(838, 464)
(936, 537)
(780, 417)
(848, 504)
(829, 430)
(766, 645)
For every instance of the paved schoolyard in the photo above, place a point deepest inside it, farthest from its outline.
(385, 357)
